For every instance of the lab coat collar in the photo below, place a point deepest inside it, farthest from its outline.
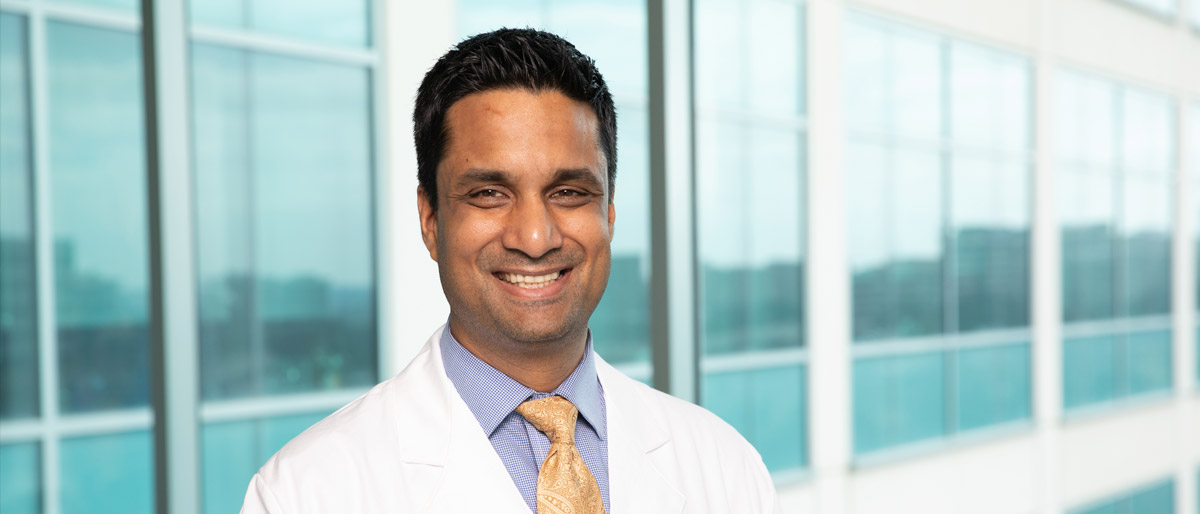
(468, 470)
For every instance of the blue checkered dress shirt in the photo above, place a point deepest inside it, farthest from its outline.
(492, 397)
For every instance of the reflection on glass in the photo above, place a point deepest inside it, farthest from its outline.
(768, 407)
(20, 479)
(233, 451)
(283, 197)
(1149, 361)
(897, 282)
(993, 385)
(750, 204)
(111, 473)
(1087, 251)
(613, 32)
(990, 215)
(1109, 367)
(938, 193)
(750, 57)
(18, 289)
(1115, 199)
(1089, 370)
(129, 6)
(1148, 208)
(100, 248)
(898, 399)
(340, 23)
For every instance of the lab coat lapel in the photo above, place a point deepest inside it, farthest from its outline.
(635, 433)
(443, 446)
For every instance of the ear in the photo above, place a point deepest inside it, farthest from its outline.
(429, 222)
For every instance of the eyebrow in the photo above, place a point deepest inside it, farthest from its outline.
(481, 175)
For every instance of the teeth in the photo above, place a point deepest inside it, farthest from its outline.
(530, 282)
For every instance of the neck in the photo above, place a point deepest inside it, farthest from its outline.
(538, 365)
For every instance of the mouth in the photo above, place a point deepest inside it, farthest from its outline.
(532, 281)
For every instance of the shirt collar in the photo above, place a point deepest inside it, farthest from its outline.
(492, 395)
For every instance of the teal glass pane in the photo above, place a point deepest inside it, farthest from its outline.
(20, 479)
(993, 385)
(898, 399)
(127, 6)
(991, 216)
(916, 84)
(345, 23)
(991, 102)
(233, 451)
(897, 281)
(285, 228)
(621, 323)
(1090, 370)
(1159, 499)
(613, 32)
(749, 192)
(1148, 361)
(111, 473)
(95, 128)
(768, 407)
(867, 101)
(229, 459)
(749, 57)
(1088, 261)
(1146, 232)
(18, 288)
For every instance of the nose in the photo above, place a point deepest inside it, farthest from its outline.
(531, 228)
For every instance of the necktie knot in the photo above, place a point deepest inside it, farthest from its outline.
(554, 416)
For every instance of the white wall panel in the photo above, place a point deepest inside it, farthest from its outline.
(1117, 451)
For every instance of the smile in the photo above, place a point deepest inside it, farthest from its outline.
(531, 281)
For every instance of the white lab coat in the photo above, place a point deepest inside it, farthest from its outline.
(410, 444)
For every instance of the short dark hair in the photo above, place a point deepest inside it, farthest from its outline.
(507, 59)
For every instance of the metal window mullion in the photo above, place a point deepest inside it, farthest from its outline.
(47, 328)
(949, 253)
(673, 274)
(382, 231)
(173, 341)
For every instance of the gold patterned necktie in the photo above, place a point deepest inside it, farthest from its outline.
(565, 485)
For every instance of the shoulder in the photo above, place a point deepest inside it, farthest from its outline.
(708, 460)
(342, 459)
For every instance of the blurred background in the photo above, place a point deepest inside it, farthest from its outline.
(927, 256)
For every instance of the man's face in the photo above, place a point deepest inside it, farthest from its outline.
(524, 222)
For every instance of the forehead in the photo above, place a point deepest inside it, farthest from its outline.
(522, 132)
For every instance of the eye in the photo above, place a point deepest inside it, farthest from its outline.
(570, 197)
(487, 197)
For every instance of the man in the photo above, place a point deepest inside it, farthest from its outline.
(507, 409)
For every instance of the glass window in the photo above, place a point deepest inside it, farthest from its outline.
(613, 32)
(1116, 204)
(750, 189)
(233, 451)
(898, 399)
(993, 385)
(108, 473)
(100, 241)
(18, 299)
(20, 479)
(284, 180)
(338, 23)
(938, 196)
(284, 224)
